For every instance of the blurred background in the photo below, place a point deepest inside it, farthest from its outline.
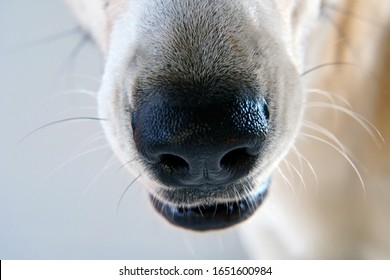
(60, 186)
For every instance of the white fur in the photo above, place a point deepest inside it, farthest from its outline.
(289, 225)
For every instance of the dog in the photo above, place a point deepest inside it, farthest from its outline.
(209, 103)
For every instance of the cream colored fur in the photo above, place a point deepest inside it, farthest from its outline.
(327, 200)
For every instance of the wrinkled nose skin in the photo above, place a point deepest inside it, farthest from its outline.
(198, 146)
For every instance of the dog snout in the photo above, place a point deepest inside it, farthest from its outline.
(200, 145)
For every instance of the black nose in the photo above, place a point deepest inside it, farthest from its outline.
(200, 145)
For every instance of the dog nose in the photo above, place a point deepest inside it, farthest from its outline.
(200, 145)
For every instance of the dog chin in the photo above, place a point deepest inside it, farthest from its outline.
(212, 215)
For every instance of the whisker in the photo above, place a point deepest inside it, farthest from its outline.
(285, 178)
(78, 92)
(227, 202)
(331, 96)
(91, 139)
(73, 119)
(366, 124)
(328, 64)
(200, 211)
(215, 209)
(288, 167)
(165, 205)
(48, 39)
(243, 196)
(340, 152)
(296, 171)
(124, 164)
(51, 173)
(124, 193)
(331, 136)
(111, 162)
(238, 198)
(302, 157)
(251, 194)
(89, 93)
(326, 133)
(294, 149)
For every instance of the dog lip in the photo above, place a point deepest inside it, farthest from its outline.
(212, 217)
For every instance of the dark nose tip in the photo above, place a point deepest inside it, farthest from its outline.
(212, 144)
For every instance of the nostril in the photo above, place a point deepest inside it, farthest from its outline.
(173, 162)
(265, 110)
(133, 120)
(237, 159)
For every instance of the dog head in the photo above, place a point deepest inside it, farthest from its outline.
(204, 99)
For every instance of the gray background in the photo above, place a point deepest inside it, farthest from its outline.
(56, 200)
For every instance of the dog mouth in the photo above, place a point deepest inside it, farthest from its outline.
(215, 216)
